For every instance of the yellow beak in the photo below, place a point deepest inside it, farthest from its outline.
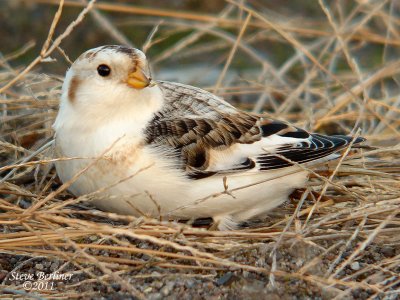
(138, 79)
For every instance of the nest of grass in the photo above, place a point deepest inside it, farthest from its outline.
(338, 238)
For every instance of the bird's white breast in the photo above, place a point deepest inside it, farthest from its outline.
(129, 176)
(141, 181)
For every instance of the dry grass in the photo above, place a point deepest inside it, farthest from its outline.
(349, 214)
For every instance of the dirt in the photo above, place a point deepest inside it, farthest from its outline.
(161, 283)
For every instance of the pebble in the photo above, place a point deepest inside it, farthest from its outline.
(388, 251)
(224, 279)
(54, 266)
(157, 284)
(190, 283)
(47, 263)
(299, 263)
(39, 267)
(60, 285)
(355, 266)
(156, 296)
(356, 293)
(24, 204)
(377, 256)
(166, 290)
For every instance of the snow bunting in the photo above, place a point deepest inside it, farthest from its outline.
(174, 151)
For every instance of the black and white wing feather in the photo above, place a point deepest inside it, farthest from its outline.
(314, 148)
(207, 136)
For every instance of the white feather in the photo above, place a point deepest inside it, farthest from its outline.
(106, 112)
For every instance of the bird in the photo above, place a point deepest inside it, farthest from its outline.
(159, 149)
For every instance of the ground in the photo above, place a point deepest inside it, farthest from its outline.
(329, 67)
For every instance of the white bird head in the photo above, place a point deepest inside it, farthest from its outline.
(106, 81)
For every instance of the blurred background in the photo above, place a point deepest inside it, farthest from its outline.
(330, 66)
(287, 58)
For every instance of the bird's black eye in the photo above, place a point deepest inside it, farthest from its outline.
(103, 70)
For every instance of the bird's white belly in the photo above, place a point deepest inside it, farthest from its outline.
(144, 185)
(137, 180)
(131, 184)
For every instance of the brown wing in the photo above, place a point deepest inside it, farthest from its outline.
(193, 122)
(193, 138)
